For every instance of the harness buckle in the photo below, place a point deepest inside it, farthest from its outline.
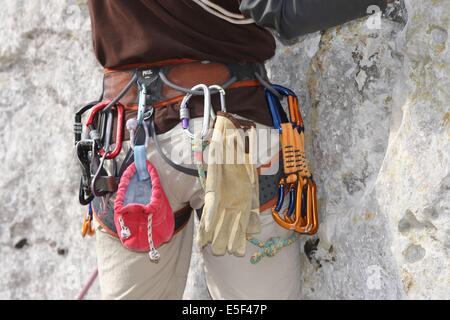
(147, 82)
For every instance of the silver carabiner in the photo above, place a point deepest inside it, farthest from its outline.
(185, 116)
(223, 106)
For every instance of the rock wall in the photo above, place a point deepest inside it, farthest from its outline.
(376, 105)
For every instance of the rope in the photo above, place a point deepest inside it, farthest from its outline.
(221, 13)
(271, 247)
(124, 230)
(87, 286)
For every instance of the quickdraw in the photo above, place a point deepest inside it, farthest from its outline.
(301, 214)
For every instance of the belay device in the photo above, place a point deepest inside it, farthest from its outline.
(301, 215)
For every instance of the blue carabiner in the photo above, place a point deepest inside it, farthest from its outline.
(289, 93)
(283, 90)
(280, 200)
(281, 197)
(304, 200)
(292, 200)
(276, 110)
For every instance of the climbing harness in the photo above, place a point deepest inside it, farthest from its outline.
(111, 195)
(301, 214)
(222, 13)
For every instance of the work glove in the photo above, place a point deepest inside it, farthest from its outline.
(231, 210)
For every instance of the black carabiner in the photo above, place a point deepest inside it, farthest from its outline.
(78, 125)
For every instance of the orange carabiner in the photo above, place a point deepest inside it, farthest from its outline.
(309, 223)
(87, 228)
(301, 216)
(294, 111)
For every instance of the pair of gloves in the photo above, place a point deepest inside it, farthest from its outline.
(231, 211)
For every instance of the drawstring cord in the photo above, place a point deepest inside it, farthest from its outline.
(125, 232)
(153, 254)
(222, 13)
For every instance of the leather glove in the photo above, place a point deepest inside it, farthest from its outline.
(231, 211)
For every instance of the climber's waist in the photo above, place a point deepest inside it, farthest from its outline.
(244, 94)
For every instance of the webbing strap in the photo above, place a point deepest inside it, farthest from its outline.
(140, 160)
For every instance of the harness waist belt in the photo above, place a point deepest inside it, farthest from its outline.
(185, 75)
(178, 73)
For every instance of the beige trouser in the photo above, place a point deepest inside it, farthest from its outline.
(125, 274)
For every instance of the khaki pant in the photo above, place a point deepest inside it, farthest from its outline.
(125, 274)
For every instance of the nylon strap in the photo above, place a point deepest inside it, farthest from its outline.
(140, 160)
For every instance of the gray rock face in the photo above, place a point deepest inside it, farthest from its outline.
(376, 106)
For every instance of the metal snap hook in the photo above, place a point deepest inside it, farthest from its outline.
(222, 93)
(185, 115)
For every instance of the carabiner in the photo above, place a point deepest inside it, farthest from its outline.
(84, 149)
(301, 214)
(87, 228)
(308, 220)
(119, 133)
(223, 106)
(185, 116)
(78, 126)
(285, 218)
(277, 111)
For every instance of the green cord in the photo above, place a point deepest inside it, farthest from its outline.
(198, 147)
(271, 247)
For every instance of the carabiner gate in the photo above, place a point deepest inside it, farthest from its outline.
(223, 106)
